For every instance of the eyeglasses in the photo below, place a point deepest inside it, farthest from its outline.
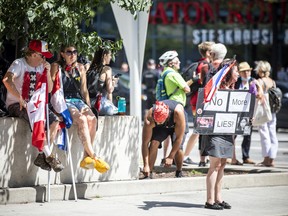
(71, 52)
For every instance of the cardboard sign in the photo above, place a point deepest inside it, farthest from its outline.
(227, 113)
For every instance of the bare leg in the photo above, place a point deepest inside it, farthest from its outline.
(92, 125)
(165, 147)
(83, 131)
(215, 164)
(218, 187)
(190, 144)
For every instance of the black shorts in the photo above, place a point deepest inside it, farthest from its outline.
(14, 111)
(160, 134)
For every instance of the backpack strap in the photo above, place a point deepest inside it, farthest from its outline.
(164, 76)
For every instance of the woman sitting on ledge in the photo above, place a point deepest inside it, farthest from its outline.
(77, 98)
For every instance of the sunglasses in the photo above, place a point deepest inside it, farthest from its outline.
(70, 52)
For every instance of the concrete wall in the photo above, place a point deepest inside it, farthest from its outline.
(117, 142)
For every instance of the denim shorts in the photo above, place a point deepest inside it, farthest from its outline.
(76, 103)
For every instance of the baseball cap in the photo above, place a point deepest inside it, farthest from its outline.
(161, 112)
(41, 47)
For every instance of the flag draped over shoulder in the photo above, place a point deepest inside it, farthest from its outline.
(58, 101)
(36, 109)
(59, 105)
(214, 83)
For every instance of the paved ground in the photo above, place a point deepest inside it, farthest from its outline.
(249, 195)
(262, 201)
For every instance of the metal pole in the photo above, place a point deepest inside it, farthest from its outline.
(71, 165)
(48, 143)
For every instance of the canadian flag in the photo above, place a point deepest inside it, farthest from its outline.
(59, 105)
(58, 101)
(36, 109)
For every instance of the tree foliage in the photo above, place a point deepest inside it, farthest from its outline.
(57, 22)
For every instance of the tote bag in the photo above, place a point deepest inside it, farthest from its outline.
(262, 112)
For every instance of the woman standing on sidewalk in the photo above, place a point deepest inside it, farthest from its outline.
(267, 131)
(219, 148)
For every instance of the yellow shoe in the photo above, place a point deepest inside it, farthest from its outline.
(101, 166)
(87, 163)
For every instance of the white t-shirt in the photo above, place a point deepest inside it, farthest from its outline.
(25, 79)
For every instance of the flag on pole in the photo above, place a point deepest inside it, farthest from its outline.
(61, 140)
(214, 83)
(58, 101)
(36, 109)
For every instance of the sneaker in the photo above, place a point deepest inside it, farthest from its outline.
(178, 174)
(54, 163)
(87, 163)
(101, 166)
(189, 161)
(41, 162)
(202, 164)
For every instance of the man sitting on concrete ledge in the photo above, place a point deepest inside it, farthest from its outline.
(20, 81)
(164, 119)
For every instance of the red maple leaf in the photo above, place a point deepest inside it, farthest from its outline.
(37, 102)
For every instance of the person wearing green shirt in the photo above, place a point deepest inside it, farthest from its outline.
(175, 85)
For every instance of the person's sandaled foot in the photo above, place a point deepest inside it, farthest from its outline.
(225, 205)
(214, 206)
(236, 163)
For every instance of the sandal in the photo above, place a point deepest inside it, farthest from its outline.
(237, 163)
(225, 205)
(214, 206)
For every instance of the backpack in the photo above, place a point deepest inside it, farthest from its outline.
(92, 78)
(275, 96)
(191, 73)
(161, 93)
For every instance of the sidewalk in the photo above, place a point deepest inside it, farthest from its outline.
(258, 201)
(256, 177)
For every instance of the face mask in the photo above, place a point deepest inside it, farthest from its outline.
(245, 79)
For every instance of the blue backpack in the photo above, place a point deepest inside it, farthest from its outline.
(161, 93)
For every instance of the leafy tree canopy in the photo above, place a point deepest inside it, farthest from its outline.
(58, 22)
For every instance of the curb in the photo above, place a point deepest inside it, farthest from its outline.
(136, 187)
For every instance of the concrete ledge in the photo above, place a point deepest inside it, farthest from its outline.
(152, 186)
(117, 142)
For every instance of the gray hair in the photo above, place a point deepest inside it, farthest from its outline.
(219, 50)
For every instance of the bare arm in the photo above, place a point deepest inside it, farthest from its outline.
(8, 81)
(109, 82)
(179, 118)
(83, 87)
(146, 137)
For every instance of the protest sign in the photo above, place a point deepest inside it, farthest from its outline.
(228, 112)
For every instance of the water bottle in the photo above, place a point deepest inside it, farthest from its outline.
(121, 105)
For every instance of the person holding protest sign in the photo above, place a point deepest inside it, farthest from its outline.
(21, 80)
(219, 148)
(165, 118)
